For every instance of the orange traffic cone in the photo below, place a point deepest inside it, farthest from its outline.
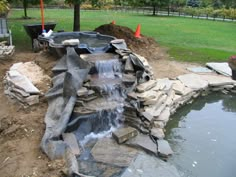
(113, 22)
(137, 32)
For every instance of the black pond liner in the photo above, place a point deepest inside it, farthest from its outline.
(90, 42)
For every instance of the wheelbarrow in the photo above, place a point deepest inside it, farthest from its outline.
(34, 30)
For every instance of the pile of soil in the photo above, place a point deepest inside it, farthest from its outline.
(145, 46)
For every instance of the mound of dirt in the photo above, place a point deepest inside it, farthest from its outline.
(145, 46)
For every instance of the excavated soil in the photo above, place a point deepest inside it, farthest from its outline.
(21, 129)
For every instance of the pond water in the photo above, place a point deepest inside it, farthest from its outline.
(202, 135)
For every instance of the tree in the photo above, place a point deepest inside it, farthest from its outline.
(77, 3)
(193, 3)
(26, 3)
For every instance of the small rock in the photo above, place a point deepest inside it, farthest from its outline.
(82, 91)
(123, 134)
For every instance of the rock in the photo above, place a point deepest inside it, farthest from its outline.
(200, 70)
(218, 80)
(143, 142)
(155, 111)
(157, 133)
(158, 124)
(180, 88)
(164, 116)
(82, 91)
(146, 86)
(71, 141)
(147, 116)
(108, 151)
(158, 97)
(148, 166)
(128, 79)
(163, 84)
(129, 66)
(164, 149)
(222, 68)
(170, 98)
(23, 83)
(193, 81)
(125, 133)
(31, 100)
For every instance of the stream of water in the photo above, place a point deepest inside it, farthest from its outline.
(202, 136)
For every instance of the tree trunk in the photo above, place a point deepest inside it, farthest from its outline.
(154, 10)
(25, 8)
(76, 17)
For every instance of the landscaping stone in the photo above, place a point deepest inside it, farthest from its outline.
(143, 142)
(82, 91)
(164, 116)
(193, 81)
(129, 66)
(123, 134)
(158, 124)
(199, 70)
(157, 133)
(146, 86)
(149, 166)
(222, 68)
(108, 151)
(216, 80)
(164, 149)
(71, 141)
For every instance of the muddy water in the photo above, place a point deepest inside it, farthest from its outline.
(202, 136)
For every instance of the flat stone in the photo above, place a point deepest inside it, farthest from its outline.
(170, 98)
(222, 68)
(31, 100)
(150, 94)
(163, 84)
(155, 111)
(123, 134)
(149, 166)
(180, 88)
(22, 82)
(108, 151)
(193, 81)
(217, 80)
(199, 70)
(158, 97)
(146, 86)
(147, 116)
(82, 91)
(71, 141)
(128, 78)
(129, 66)
(158, 124)
(164, 149)
(143, 142)
(158, 133)
(165, 115)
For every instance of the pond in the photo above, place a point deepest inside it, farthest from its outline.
(202, 135)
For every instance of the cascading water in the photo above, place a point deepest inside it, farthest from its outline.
(109, 105)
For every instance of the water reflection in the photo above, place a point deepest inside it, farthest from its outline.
(202, 137)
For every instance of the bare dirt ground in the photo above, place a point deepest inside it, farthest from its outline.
(21, 129)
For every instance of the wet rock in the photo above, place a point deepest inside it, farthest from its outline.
(71, 141)
(146, 86)
(143, 142)
(149, 166)
(157, 133)
(193, 81)
(125, 133)
(164, 149)
(108, 151)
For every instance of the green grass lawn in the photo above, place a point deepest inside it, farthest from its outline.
(191, 40)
